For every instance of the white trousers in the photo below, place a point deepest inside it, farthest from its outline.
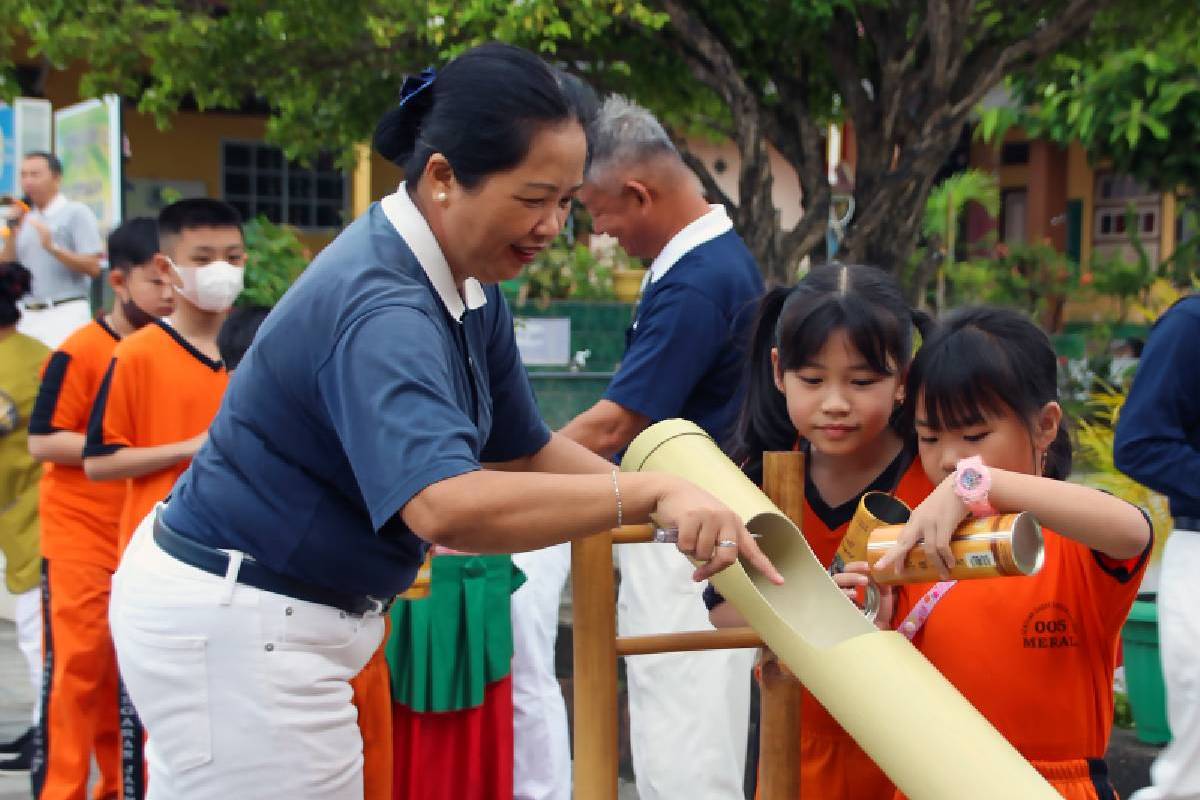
(688, 712)
(541, 741)
(27, 616)
(1176, 771)
(243, 693)
(51, 326)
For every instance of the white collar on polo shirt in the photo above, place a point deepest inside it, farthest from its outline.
(412, 227)
(54, 205)
(697, 232)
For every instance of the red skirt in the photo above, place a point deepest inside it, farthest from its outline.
(456, 755)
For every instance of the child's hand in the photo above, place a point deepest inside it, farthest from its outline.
(853, 582)
(932, 523)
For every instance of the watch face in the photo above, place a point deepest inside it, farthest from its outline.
(970, 479)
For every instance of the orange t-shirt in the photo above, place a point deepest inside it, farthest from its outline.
(832, 764)
(79, 516)
(1035, 655)
(158, 390)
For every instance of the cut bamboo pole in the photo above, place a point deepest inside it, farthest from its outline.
(688, 641)
(779, 722)
(595, 669)
(633, 534)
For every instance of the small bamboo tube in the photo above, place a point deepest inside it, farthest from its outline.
(595, 634)
(779, 726)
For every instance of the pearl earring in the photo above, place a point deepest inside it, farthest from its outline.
(440, 197)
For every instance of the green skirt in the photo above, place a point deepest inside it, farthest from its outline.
(445, 648)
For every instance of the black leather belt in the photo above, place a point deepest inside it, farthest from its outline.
(252, 573)
(1187, 523)
(48, 304)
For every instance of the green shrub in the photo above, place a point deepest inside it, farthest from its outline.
(275, 257)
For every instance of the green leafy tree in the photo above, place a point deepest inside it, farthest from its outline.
(773, 74)
(1131, 96)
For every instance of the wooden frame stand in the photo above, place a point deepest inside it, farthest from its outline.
(597, 647)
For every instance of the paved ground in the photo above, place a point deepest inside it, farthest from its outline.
(16, 702)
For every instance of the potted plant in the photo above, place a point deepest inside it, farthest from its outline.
(628, 275)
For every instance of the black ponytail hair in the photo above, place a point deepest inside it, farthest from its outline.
(481, 112)
(983, 360)
(863, 301)
(15, 283)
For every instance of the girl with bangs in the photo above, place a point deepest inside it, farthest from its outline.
(1034, 654)
(827, 369)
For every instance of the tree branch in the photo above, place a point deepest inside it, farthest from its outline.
(707, 179)
(1071, 21)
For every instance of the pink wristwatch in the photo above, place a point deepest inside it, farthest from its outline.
(972, 482)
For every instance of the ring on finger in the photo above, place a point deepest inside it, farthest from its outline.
(727, 543)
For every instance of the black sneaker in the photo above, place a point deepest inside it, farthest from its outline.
(21, 763)
(17, 745)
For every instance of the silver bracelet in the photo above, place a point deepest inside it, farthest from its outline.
(617, 492)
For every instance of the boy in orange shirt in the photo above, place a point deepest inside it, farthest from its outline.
(79, 531)
(164, 386)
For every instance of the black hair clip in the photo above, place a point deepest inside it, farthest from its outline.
(415, 84)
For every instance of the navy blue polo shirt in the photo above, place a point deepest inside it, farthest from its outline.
(686, 350)
(1157, 442)
(362, 387)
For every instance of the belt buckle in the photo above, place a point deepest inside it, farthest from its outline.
(381, 606)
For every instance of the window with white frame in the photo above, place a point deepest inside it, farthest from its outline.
(257, 179)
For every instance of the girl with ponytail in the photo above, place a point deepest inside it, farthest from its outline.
(1035, 655)
(827, 369)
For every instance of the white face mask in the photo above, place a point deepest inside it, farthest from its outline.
(212, 287)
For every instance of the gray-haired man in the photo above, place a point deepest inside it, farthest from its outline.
(684, 357)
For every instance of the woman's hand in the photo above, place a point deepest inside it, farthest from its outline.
(709, 531)
(932, 523)
(853, 582)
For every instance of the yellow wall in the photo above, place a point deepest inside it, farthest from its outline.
(190, 148)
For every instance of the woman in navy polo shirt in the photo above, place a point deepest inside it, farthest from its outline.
(355, 432)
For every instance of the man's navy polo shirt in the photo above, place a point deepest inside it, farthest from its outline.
(1157, 441)
(687, 348)
(353, 398)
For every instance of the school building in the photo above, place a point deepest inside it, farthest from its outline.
(1051, 193)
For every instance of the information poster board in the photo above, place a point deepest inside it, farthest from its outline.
(24, 128)
(87, 139)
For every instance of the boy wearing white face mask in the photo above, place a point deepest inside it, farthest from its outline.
(165, 384)
(166, 381)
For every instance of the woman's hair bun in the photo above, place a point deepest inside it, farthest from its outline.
(397, 132)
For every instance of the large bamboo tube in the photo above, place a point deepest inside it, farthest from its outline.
(903, 713)
(779, 721)
(595, 669)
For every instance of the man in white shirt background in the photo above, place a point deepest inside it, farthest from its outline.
(58, 241)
